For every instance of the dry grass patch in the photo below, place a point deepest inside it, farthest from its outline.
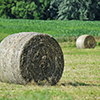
(80, 80)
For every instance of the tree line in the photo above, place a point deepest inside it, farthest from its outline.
(50, 9)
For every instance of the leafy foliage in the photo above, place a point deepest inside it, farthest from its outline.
(76, 9)
(42, 9)
(51, 9)
(54, 8)
(5, 8)
(26, 9)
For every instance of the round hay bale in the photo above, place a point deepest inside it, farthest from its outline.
(85, 41)
(30, 56)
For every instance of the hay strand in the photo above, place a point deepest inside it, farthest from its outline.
(85, 41)
(30, 56)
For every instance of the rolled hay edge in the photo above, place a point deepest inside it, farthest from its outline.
(30, 56)
(85, 41)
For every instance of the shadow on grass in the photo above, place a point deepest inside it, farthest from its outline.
(78, 84)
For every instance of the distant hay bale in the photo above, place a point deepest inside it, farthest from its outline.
(30, 56)
(85, 41)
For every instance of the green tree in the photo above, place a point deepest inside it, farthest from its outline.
(5, 8)
(42, 9)
(28, 9)
(53, 8)
(75, 9)
(24, 10)
(94, 10)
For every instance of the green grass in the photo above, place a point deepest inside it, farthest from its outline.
(80, 79)
(55, 28)
(81, 76)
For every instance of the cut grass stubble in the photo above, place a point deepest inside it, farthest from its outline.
(80, 80)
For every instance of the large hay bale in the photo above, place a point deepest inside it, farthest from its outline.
(85, 41)
(30, 56)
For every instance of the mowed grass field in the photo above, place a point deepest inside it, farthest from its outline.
(81, 76)
(80, 79)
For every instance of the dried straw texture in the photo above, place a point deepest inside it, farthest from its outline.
(30, 56)
(85, 41)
